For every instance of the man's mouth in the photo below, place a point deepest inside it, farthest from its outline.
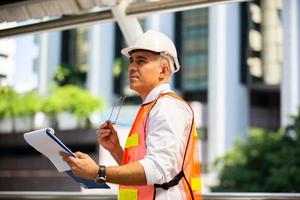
(133, 77)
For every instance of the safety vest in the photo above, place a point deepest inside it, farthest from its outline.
(135, 149)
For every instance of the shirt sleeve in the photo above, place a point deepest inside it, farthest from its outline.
(167, 128)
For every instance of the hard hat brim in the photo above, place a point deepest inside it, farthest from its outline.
(126, 52)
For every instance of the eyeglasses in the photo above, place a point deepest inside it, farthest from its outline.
(121, 101)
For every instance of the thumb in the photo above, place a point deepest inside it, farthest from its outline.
(110, 125)
(81, 155)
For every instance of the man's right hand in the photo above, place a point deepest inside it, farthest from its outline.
(108, 138)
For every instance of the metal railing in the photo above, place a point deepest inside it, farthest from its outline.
(93, 196)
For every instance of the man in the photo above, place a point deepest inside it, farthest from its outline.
(159, 160)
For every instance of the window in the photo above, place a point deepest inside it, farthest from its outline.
(193, 30)
(35, 65)
(264, 30)
(261, 60)
(74, 57)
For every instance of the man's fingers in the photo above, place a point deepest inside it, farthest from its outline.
(105, 127)
(65, 159)
(110, 126)
(105, 124)
(81, 155)
(104, 135)
(104, 131)
(65, 156)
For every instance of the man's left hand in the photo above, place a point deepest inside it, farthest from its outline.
(83, 166)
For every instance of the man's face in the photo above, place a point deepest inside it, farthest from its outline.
(143, 71)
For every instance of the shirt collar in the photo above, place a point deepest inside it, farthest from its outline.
(163, 88)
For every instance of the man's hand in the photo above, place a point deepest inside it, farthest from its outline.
(83, 166)
(108, 138)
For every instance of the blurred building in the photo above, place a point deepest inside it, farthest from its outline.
(6, 61)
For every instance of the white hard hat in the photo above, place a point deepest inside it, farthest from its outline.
(157, 42)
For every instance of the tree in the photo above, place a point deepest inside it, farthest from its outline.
(266, 162)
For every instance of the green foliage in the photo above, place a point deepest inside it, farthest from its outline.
(62, 73)
(120, 66)
(266, 162)
(7, 97)
(28, 104)
(71, 99)
(68, 76)
(64, 99)
(13, 104)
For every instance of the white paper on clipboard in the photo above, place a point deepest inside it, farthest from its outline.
(44, 143)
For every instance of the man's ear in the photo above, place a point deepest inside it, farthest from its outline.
(164, 71)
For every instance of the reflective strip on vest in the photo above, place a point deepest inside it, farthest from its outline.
(132, 141)
(195, 134)
(196, 184)
(128, 194)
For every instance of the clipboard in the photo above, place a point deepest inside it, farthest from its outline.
(48, 144)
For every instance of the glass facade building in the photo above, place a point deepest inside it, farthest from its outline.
(194, 49)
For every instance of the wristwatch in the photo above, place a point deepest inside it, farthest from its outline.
(101, 176)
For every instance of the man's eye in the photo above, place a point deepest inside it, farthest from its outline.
(140, 61)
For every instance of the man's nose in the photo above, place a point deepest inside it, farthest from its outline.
(132, 67)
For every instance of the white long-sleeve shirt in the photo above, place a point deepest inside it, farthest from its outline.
(167, 128)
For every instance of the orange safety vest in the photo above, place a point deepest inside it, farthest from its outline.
(135, 149)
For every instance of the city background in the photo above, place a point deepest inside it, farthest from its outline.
(240, 72)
